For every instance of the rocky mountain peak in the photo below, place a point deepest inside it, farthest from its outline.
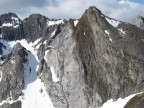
(11, 27)
(34, 17)
(139, 22)
(17, 47)
(92, 12)
(38, 26)
(10, 19)
(93, 9)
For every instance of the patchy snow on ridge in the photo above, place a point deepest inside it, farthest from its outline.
(50, 23)
(0, 76)
(7, 25)
(0, 35)
(16, 19)
(120, 103)
(16, 26)
(122, 31)
(53, 33)
(75, 22)
(110, 39)
(113, 22)
(106, 32)
(54, 76)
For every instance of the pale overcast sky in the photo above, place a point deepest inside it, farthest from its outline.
(124, 10)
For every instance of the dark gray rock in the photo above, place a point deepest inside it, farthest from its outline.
(11, 27)
(36, 26)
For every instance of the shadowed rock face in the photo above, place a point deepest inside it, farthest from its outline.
(11, 27)
(12, 71)
(92, 65)
(32, 28)
(36, 26)
(136, 102)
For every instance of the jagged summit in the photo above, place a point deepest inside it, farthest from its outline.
(93, 8)
(10, 14)
(139, 22)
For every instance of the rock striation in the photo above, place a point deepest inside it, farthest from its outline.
(97, 59)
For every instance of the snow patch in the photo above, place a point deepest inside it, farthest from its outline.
(0, 35)
(45, 42)
(113, 22)
(53, 33)
(120, 103)
(106, 32)
(12, 61)
(102, 15)
(51, 23)
(110, 39)
(121, 31)
(16, 26)
(45, 57)
(16, 19)
(7, 25)
(75, 22)
(54, 76)
(0, 76)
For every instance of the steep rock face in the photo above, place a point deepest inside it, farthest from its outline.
(66, 87)
(11, 27)
(12, 74)
(13, 105)
(139, 22)
(136, 102)
(97, 59)
(38, 26)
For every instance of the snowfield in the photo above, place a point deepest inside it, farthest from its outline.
(113, 22)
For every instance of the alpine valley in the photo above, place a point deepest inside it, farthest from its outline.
(91, 62)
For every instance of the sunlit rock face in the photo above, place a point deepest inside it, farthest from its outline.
(95, 58)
